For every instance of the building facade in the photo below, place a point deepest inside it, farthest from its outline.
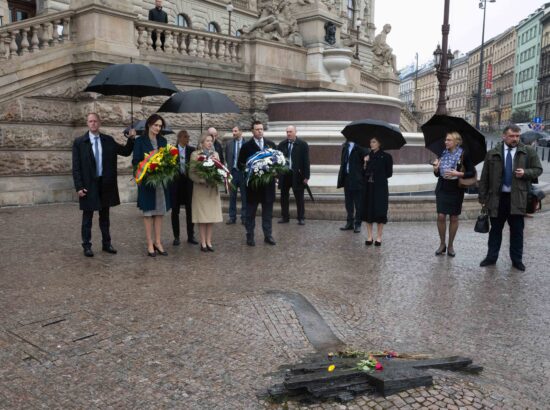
(427, 89)
(457, 88)
(543, 97)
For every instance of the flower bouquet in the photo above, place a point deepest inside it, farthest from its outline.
(212, 171)
(159, 167)
(263, 166)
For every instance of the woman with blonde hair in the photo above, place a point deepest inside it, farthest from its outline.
(206, 206)
(453, 164)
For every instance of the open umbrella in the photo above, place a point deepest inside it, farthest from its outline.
(437, 128)
(133, 80)
(362, 131)
(140, 128)
(199, 101)
(530, 136)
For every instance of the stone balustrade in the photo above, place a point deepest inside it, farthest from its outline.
(37, 33)
(187, 42)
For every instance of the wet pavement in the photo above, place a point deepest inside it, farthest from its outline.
(208, 330)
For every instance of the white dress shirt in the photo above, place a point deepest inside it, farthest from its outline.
(93, 138)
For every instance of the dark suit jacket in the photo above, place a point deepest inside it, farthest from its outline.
(219, 149)
(300, 162)
(354, 178)
(229, 150)
(157, 15)
(147, 194)
(84, 171)
(265, 193)
(182, 187)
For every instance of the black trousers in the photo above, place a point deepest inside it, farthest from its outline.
(354, 205)
(175, 216)
(516, 223)
(154, 39)
(286, 184)
(104, 223)
(267, 215)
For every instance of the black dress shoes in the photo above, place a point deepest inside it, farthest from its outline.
(346, 228)
(270, 240)
(210, 248)
(441, 250)
(376, 243)
(88, 252)
(109, 249)
(357, 229)
(369, 243)
(176, 241)
(231, 222)
(487, 262)
(283, 221)
(250, 242)
(301, 222)
(192, 241)
(152, 254)
(204, 248)
(519, 266)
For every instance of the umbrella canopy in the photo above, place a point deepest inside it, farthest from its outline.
(437, 127)
(200, 100)
(362, 131)
(531, 136)
(140, 128)
(134, 80)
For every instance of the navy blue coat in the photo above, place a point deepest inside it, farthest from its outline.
(146, 194)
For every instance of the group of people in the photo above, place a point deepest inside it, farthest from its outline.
(95, 179)
(508, 171)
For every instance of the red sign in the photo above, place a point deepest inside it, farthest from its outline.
(489, 80)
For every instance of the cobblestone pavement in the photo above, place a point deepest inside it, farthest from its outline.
(205, 331)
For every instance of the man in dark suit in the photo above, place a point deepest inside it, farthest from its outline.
(213, 132)
(351, 179)
(95, 179)
(232, 150)
(181, 190)
(296, 152)
(264, 195)
(508, 170)
(159, 15)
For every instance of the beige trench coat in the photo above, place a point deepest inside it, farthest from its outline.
(206, 204)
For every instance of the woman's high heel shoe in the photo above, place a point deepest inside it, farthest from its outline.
(441, 251)
(151, 254)
(163, 253)
(368, 243)
(204, 248)
(210, 248)
(451, 253)
(377, 243)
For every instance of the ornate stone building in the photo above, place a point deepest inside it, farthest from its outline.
(543, 98)
(281, 46)
(427, 89)
(503, 77)
(457, 87)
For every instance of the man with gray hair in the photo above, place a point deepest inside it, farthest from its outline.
(213, 132)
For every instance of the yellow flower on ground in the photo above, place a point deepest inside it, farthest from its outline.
(331, 368)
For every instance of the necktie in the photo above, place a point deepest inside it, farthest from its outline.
(508, 169)
(290, 154)
(182, 161)
(261, 142)
(346, 157)
(97, 157)
(235, 154)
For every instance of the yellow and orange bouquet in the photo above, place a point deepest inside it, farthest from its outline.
(159, 167)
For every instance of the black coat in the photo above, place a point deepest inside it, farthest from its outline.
(265, 193)
(229, 151)
(300, 162)
(84, 171)
(379, 169)
(354, 178)
(219, 149)
(181, 187)
(157, 15)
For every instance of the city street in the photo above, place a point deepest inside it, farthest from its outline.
(208, 330)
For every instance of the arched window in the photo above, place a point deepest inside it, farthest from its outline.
(213, 27)
(183, 21)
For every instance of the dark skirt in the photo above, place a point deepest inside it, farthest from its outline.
(375, 205)
(449, 197)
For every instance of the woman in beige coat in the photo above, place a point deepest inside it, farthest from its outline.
(206, 206)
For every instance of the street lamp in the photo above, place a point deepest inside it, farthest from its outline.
(358, 27)
(442, 61)
(229, 8)
(482, 5)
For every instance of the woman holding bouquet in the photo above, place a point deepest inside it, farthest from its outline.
(153, 201)
(206, 206)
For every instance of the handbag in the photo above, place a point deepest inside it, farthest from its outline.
(466, 182)
(482, 223)
(534, 200)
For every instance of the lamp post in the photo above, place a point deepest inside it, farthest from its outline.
(442, 61)
(229, 8)
(482, 5)
(358, 27)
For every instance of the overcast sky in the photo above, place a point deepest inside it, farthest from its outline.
(416, 24)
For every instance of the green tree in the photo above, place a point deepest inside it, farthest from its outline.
(520, 115)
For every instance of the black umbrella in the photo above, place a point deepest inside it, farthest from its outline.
(531, 136)
(362, 131)
(199, 101)
(140, 128)
(133, 80)
(437, 128)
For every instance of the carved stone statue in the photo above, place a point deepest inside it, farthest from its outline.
(330, 33)
(382, 51)
(276, 22)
